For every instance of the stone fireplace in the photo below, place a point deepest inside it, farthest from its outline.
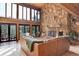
(55, 30)
(54, 20)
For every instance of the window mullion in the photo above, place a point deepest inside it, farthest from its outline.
(5, 9)
(22, 13)
(26, 13)
(34, 15)
(11, 9)
(30, 15)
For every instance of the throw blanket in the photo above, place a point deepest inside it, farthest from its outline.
(30, 42)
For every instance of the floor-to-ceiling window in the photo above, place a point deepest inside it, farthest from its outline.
(20, 14)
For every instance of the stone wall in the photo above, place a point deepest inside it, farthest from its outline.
(54, 18)
(74, 23)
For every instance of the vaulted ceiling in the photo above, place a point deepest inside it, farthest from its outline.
(33, 5)
(71, 7)
(38, 5)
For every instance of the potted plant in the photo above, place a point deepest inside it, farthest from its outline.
(73, 36)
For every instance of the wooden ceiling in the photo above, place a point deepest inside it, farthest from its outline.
(33, 5)
(71, 7)
(38, 5)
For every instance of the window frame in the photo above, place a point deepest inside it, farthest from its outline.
(14, 17)
(20, 10)
(28, 19)
(24, 15)
(24, 27)
(9, 16)
(35, 26)
(4, 10)
(32, 14)
(37, 15)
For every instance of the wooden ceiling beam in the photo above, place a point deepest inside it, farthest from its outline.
(29, 6)
(73, 12)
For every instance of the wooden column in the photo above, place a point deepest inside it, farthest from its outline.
(18, 32)
(30, 29)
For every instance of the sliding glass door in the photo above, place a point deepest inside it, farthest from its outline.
(24, 29)
(4, 32)
(35, 30)
(7, 32)
(12, 32)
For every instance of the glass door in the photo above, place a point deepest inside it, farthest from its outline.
(7, 32)
(4, 33)
(21, 30)
(24, 29)
(35, 30)
(12, 32)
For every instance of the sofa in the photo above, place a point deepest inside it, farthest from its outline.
(53, 47)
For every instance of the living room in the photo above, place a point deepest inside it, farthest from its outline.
(36, 26)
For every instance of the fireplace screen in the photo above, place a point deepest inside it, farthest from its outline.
(60, 33)
(52, 33)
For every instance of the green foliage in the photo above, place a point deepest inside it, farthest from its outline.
(73, 35)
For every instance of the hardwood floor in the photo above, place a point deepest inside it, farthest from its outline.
(10, 49)
(73, 51)
(70, 54)
(14, 49)
(74, 48)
